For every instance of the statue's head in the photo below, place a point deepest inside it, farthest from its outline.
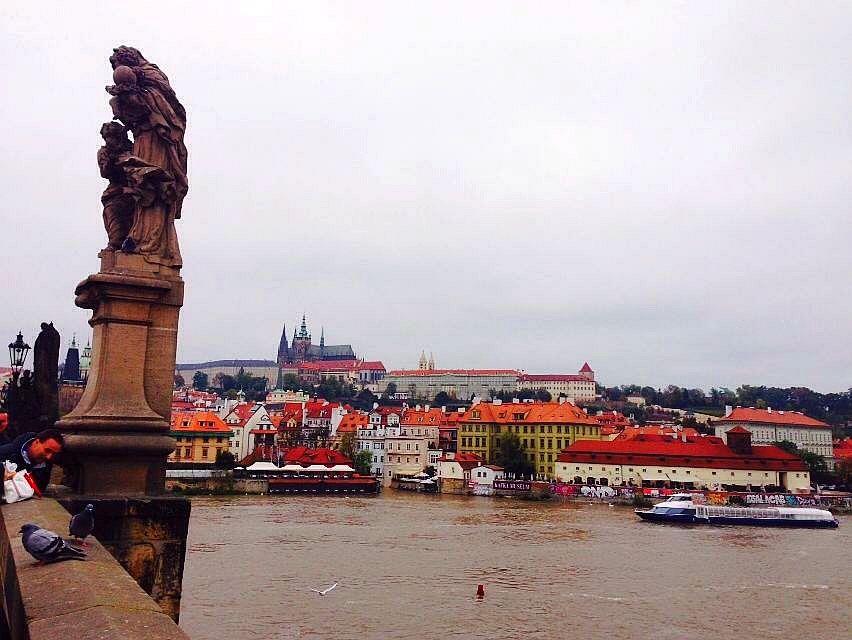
(115, 135)
(126, 56)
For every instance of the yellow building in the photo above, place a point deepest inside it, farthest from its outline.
(200, 436)
(544, 429)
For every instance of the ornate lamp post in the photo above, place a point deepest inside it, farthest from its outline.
(18, 351)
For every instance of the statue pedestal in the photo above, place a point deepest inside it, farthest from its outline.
(116, 439)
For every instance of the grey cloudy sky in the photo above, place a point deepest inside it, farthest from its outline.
(660, 189)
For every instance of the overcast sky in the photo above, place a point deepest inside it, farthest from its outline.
(660, 189)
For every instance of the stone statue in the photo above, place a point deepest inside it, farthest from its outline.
(118, 201)
(46, 374)
(148, 179)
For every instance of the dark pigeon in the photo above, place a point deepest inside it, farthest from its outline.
(46, 546)
(83, 523)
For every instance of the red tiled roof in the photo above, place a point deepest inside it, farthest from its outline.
(843, 449)
(530, 412)
(420, 373)
(631, 433)
(552, 377)
(658, 451)
(200, 421)
(351, 422)
(766, 416)
(342, 365)
(586, 368)
(466, 461)
(305, 457)
(434, 417)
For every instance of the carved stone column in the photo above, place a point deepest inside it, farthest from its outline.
(117, 438)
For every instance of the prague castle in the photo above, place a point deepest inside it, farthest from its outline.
(299, 350)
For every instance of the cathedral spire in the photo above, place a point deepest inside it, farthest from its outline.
(283, 351)
(322, 341)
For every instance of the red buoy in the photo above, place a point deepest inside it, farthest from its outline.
(480, 591)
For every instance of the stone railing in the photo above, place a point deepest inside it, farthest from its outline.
(78, 600)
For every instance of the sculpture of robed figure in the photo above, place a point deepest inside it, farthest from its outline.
(148, 181)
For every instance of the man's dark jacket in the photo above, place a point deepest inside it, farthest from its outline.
(12, 452)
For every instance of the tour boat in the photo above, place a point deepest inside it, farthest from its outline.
(681, 508)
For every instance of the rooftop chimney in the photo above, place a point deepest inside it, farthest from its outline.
(516, 401)
(496, 401)
(444, 409)
(728, 410)
(461, 410)
(768, 409)
(426, 407)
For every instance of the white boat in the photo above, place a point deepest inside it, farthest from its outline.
(681, 508)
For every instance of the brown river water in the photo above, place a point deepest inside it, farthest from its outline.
(408, 566)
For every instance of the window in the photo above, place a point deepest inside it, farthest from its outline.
(204, 452)
(206, 439)
(541, 443)
(713, 473)
(186, 452)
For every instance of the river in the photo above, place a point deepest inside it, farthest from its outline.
(408, 566)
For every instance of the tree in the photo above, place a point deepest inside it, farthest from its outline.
(225, 460)
(816, 463)
(291, 382)
(179, 381)
(442, 399)
(365, 399)
(200, 381)
(543, 395)
(512, 458)
(349, 446)
(362, 461)
(390, 390)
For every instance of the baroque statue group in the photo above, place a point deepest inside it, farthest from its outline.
(147, 176)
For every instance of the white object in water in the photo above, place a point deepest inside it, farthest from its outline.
(324, 591)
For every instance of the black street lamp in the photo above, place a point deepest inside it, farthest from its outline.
(18, 351)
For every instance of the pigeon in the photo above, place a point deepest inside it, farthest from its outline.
(324, 591)
(47, 546)
(82, 523)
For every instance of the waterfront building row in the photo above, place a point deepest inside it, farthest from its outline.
(768, 425)
(691, 462)
(543, 429)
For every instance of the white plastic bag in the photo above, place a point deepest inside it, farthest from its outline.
(20, 487)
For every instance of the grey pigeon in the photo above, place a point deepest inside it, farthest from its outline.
(82, 523)
(46, 546)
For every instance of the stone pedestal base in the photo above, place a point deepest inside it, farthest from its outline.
(148, 538)
(116, 438)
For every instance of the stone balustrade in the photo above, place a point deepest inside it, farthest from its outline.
(83, 600)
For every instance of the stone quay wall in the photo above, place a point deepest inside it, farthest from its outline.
(83, 600)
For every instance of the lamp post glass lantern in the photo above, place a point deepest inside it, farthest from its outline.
(18, 351)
